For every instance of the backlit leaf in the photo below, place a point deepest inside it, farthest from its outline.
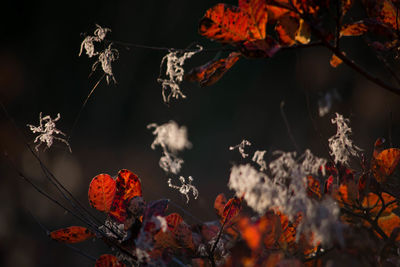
(230, 24)
(128, 186)
(384, 163)
(101, 192)
(335, 61)
(354, 29)
(225, 23)
(231, 210)
(287, 28)
(389, 223)
(212, 71)
(256, 10)
(373, 202)
(108, 260)
(72, 234)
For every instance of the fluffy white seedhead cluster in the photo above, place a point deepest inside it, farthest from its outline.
(172, 139)
(286, 190)
(105, 57)
(241, 147)
(47, 132)
(174, 73)
(341, 146)
(185, 187)
(258, 158)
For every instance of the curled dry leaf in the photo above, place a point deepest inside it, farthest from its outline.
(101, 193)
(72, 234)
(108, 260)
(212, 71)
(128, 186)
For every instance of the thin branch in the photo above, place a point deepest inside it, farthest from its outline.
(288, 127)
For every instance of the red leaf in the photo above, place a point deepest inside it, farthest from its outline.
(108, 260)
(230, 24)
(258, 16)
(72, 234)
(212, 71)
(101, 192)
(128, 186)
(231, 210)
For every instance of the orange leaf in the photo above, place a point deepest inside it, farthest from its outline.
(128, 186)
(231, 210)
(72, 234)
(257, 13)
(354, 29)
(287, 28)
(384, 163)
(335, 60)
(373, 202)
(101, 192)
(275, 11)
(346, 194)
(108, 260)
(212, 71)
(389, 223)
(388, 14)
(230, 24)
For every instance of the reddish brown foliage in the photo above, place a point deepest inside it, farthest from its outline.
(101, 192)
(72, 234)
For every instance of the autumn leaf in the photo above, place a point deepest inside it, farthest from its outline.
(287, 28)
(101, 193)
(128, 186)
(335, 60)
(230, 24)
(108, 260)
(346, 194)
(212, 71)
(219, 204)
(353, 29)
(72, 234)
(374, 203)
(389, 223)
(231, 210)
(384, 163)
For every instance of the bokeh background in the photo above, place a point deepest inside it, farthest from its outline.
(40, 71)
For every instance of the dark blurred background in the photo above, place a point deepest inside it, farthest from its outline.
(40, 71)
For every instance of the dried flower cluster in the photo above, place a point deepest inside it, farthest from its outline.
(47, 131)
(341, 146)
(105, 57)
(172, 139)
(174, 73)
(285, 188)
